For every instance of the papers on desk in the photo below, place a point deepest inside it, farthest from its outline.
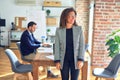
(45, 50)
(50, 57)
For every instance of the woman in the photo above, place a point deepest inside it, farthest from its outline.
(69, 46)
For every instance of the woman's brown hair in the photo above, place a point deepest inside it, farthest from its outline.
(64, 15)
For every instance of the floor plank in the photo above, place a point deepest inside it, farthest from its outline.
(7, 74)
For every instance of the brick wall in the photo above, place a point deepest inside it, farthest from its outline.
(106, 20)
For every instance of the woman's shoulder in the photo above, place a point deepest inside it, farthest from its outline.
(77, 27)
(58, 29)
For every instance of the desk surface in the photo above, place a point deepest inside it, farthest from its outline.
(45, 50)
(41, 60)
(50, 50)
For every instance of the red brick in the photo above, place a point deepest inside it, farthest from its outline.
(106, 20)
(117, 0)
(107, 0)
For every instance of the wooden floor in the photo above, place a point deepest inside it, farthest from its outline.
(7, 74)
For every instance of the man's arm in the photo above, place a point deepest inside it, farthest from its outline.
(29, 42)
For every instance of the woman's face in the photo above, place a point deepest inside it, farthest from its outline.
(71, 17)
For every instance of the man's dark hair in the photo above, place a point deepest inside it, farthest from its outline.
(31, 24)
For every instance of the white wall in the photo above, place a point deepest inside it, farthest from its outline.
(9, 10)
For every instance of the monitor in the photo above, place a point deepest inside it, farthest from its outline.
(2, 22)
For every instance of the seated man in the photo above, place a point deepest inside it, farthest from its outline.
(29, 44)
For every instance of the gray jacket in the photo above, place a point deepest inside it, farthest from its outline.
(60, 44)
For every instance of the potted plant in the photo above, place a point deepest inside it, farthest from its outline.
(48, 31)
(113, 43)
(48, 12)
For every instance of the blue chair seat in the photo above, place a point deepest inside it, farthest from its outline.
(22, 68)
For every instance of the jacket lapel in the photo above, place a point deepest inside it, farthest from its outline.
(75, 35)
(64, 37)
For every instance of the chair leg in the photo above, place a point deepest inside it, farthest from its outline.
(29, 75)
(16, 75)
(41, 69)
(96, 78)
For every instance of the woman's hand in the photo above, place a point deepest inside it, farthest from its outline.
(80, 64)
(58, 66)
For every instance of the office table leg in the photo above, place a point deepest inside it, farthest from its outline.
(35, 70)
(85, 71)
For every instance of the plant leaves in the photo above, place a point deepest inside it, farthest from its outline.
(113, 43)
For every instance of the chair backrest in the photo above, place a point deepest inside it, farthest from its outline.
(13, 59)
(86, 47)
(114, 65)
(22, 57)
(18, 45)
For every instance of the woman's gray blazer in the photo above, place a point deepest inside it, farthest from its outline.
(60, 44)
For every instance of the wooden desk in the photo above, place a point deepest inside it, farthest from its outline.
(41, 60)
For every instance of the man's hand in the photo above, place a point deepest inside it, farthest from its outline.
(46, 45)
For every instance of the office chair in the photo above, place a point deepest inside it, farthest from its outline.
(22, 57)
(26, 61)
(110, 71)
(17, 67)
(86, 49)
